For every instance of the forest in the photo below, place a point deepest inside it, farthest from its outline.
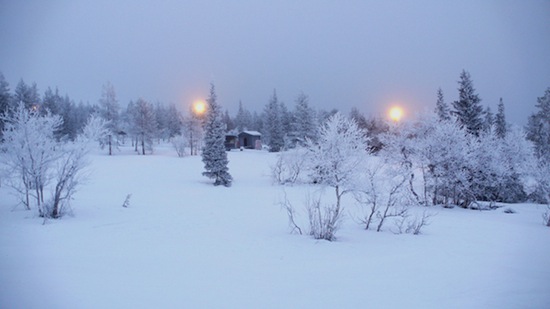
(461, 154)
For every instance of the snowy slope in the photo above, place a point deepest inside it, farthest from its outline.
(183, 243)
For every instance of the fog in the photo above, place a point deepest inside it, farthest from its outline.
(342, 54)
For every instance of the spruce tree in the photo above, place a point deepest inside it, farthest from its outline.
(500, 121)
(5, 98)
(243, 119)
(489, 120)
(441, 108)
(538, 127)
(213, 153)
(273, 129)
(28, 95)
(304, 123)
(468, 111)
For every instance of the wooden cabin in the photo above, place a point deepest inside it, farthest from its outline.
(250, 140)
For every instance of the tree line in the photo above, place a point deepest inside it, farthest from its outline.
(459, 155)
(463, 153)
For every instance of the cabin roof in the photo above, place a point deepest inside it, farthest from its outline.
(254, 133)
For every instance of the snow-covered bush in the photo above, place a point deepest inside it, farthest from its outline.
(29, 152)
(383, 193)
(180, 145)
(324, 221)
(336, 160)
(290, 166)
(39, 163)
(412, 224)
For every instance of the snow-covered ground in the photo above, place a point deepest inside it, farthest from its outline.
(183, 243)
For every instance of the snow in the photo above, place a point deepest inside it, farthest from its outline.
(184, 243)
(254, 133)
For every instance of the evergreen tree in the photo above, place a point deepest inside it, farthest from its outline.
(243, 119)
(489, 120)
(538, 127)
(257, 123)
(273, 128)
(304, 123)
(442, 108)
(359, 118)
(214, 155)
(500, 121)
(468, 111)
(173, 121)
(70, 127)
(229, 125)
(28, 95)
(5, 99)
(376, 126)
(161, 115)
(52, 101)
(110, 112)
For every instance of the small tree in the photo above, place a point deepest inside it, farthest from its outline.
(110, 109)
(273, 125)
(214, 155)
(180, 144)
(193, 132)
(39, 163)
(304, 123)
(290, 165)
(500, 121)
(145, 124)
(243, 119)
(30, 150)
(441, 107)
(336, 159)
(538, 127)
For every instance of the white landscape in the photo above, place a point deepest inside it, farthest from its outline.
(183, 243)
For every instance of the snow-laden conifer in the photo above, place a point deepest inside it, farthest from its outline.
(441, 107)
(304, 122)
(213, 154)
(500, 121)
(538, 127)
(272, 126)
(243, 119)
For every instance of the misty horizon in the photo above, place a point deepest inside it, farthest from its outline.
(368, 55)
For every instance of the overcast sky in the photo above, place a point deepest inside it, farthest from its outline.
(367, 54)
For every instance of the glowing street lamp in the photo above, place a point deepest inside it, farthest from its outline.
(396, 113)
(199, 108)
